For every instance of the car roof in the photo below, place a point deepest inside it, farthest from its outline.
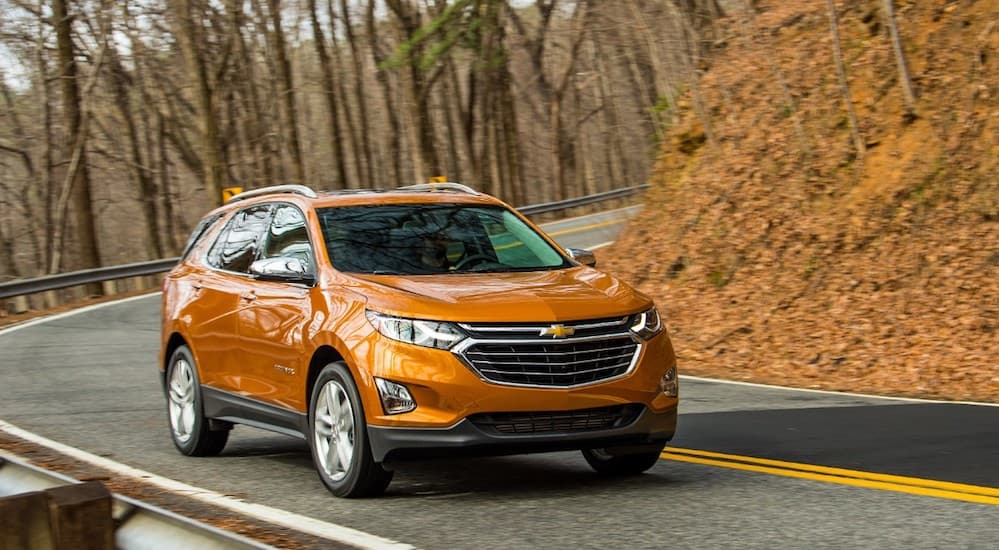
(418, 194)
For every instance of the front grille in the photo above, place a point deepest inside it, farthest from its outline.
(582, 420)
(556, 363)
(557, 355)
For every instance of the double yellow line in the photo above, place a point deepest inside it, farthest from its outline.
(842, 476)
(615, 221)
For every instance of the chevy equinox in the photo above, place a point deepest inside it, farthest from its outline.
(424, 321)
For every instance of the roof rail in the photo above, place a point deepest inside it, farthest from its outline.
(442, 186)
(275, 189)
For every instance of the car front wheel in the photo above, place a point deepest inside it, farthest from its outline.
(607, 464)
(339, 442)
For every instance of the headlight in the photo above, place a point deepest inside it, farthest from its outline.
(646, 324)
(430, 334)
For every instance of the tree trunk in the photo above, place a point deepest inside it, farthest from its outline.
(165, 185)
(256, 125)
(454, 161)
(512, 141)
(381, 75)
(287, 91)
(364, 171)
(82, 200)
(844, 84)
(560, 188)
(44, 192)
(615, 152)
(278, 129)
(417, 89)
(903, 66)
(139, 166)
(191, 41)
(330, 94)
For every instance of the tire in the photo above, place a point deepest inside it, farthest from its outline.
(341, 452)
(189, 428)
(620, 465)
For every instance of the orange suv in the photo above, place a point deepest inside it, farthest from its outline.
(386, 325)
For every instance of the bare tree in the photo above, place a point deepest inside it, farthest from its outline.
(530, 101)
(903, 66)
(287, 89)
(380, 57)
(139, 164)
(844, 84)
(360, 99)
(330, 93)
(417, 85)
(190, 35)
(78, 175)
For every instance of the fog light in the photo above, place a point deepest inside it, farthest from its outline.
(669, 384)
(395, 397)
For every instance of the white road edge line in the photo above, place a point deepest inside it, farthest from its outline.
(832, 392)
(73, 312)
(283, 518)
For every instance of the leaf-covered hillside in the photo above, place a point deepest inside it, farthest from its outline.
(782, 253)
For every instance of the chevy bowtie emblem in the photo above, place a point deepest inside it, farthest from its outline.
(558, 331)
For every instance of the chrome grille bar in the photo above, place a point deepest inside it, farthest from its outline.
(517, 355)
(527, 373)
(557, 363)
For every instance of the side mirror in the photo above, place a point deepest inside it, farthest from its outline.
(285, 270)
(584, 257)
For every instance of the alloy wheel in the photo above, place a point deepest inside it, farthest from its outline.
(334, 430)
(182, 400)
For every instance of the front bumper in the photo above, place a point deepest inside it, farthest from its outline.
(649, 430)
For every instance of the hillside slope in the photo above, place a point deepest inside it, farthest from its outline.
(780, 255)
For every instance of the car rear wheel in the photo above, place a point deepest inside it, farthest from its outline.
(339, 442)
(189, 428)
(623, 464)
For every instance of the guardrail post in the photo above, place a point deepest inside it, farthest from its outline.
(81, 516)
(20, 304)
(138, 283)
(24, 522)
(50, 299)
(109, 288)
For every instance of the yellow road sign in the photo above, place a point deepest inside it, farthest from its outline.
(230, 192)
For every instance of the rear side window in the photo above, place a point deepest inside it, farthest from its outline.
(237, 246)
(203, 228)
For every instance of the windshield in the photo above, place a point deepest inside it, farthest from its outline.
(424, 239)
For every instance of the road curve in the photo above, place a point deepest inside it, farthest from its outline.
(90, 381)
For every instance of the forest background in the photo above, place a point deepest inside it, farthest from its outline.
(823, 207)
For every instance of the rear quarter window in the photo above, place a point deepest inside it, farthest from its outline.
(203, 228)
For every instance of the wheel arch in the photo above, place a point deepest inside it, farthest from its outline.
(173, 342)
(324, 355)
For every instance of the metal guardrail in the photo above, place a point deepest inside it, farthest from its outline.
(138, 269)
(582, 201)
(84, 277)
(137, 525)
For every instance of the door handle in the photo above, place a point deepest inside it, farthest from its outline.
(248, 296)
(197, 286)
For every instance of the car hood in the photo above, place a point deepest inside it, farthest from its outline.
(575, 293)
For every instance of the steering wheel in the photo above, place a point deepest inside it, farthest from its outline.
(474, 259)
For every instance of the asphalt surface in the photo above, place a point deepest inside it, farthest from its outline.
(90, 381)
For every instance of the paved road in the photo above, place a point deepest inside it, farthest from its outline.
(90, 381)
